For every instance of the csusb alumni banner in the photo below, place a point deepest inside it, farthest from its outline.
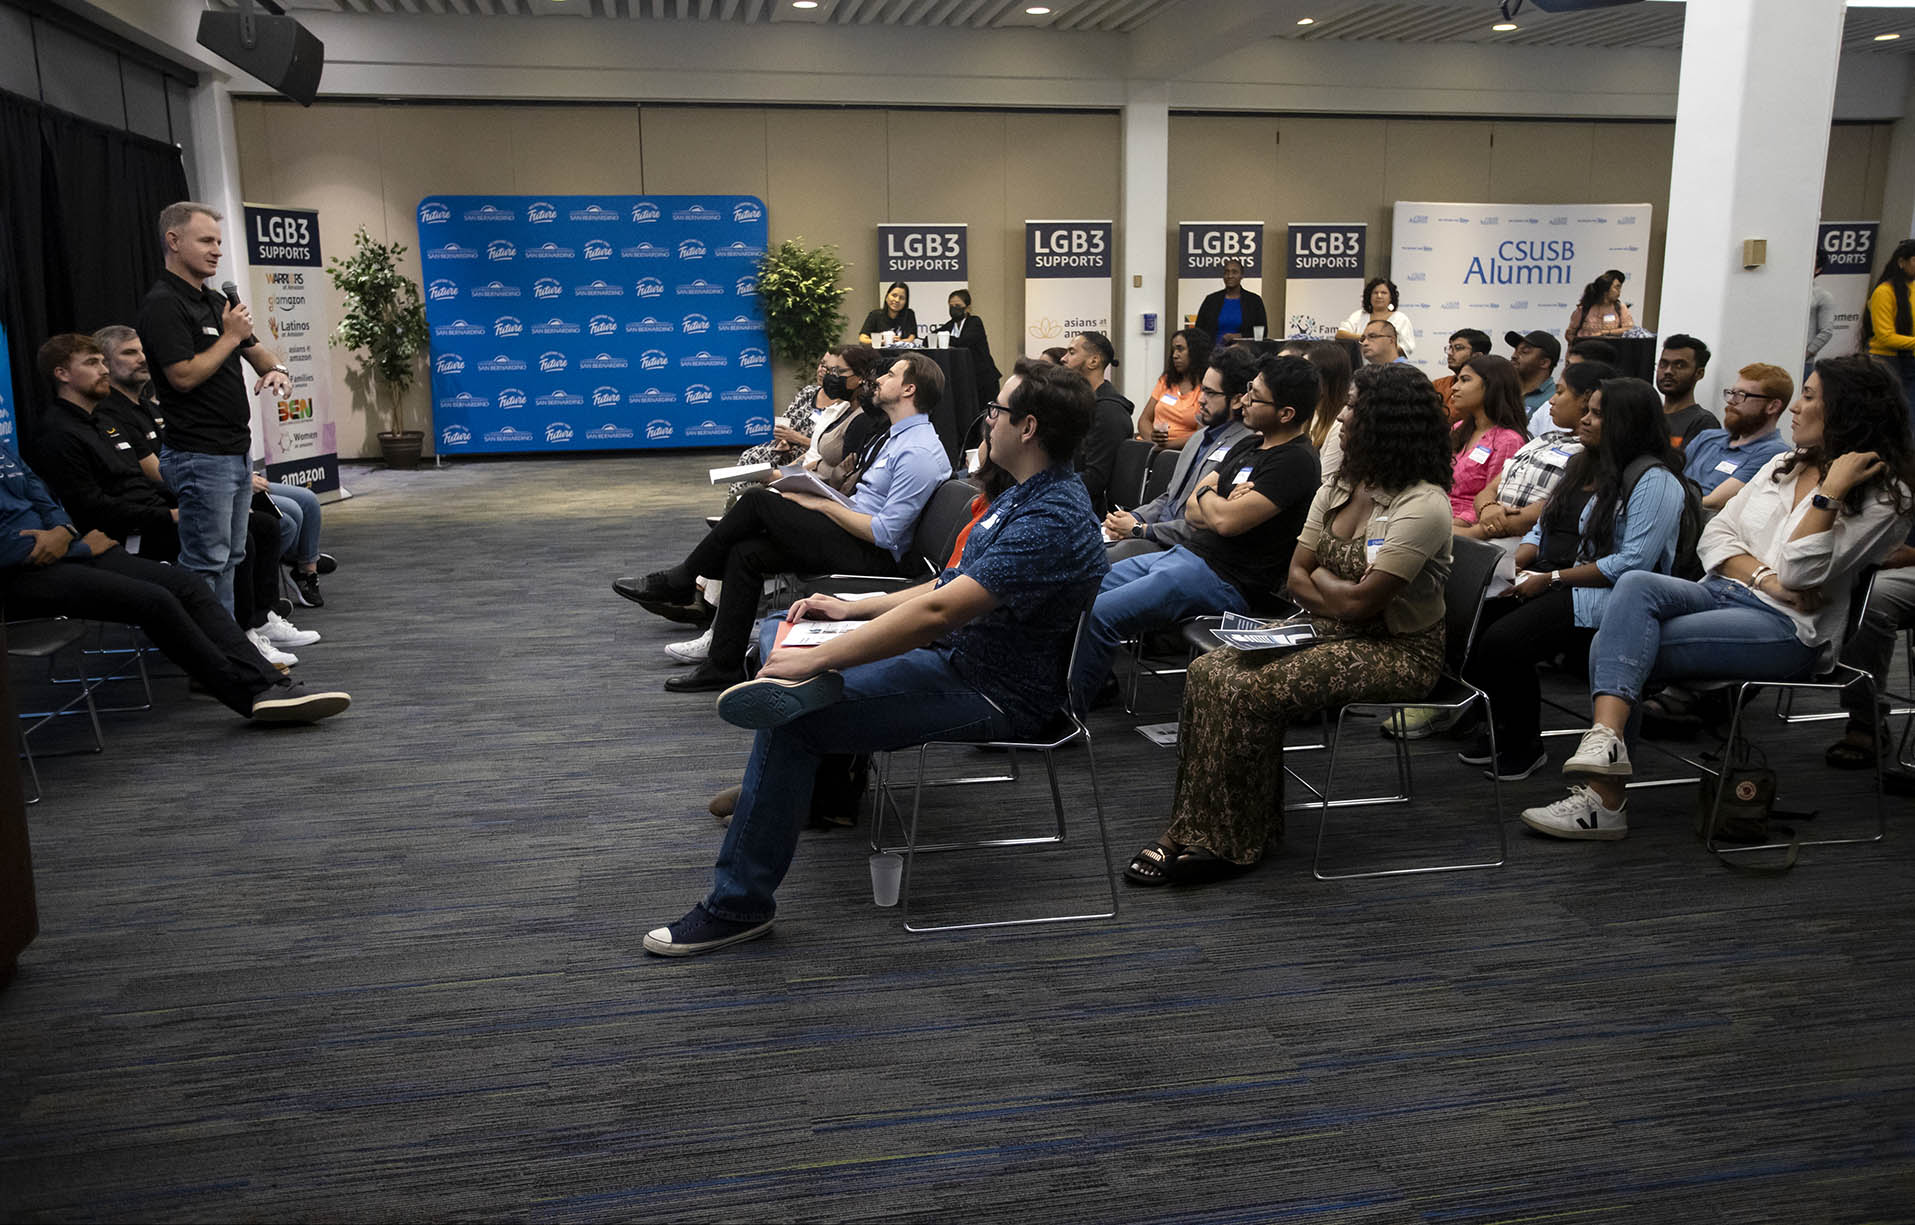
(1508, 267)
(568, 323)
(1202, 249)
(289, 285)
(1848, 273)
(932, 260)
(1068, 267)
(1323, 264)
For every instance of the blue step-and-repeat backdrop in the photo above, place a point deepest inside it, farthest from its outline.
(566, 323)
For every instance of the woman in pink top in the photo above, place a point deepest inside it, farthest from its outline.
(1602, 312)
(1487, 399)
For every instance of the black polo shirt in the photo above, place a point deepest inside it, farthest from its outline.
(138, 420)
(177, 323)
(88, 462)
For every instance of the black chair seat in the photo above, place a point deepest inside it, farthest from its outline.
(40, 639)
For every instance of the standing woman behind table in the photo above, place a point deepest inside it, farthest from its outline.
(1233, 312)
(967, 332)
(1887, 326)
(1780, 565)
(1379, 302)
(1169, 419)
(894, 316)
(1369, 568)
(1487, 399)
(1602, 312)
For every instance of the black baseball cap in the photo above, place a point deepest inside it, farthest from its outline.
(1536, 340)
(1101, 343)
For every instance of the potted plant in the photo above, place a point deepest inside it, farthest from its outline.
(802, 297)
(385, 322)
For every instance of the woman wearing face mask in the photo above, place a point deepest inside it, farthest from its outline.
(894, 316)
(967, 332)
(791, 434)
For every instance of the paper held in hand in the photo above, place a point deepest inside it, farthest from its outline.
(1253, 634)
(800, 481)
(720, 475)
(810, 633)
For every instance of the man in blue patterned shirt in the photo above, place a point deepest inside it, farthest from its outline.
(767, 532)
(979, 653)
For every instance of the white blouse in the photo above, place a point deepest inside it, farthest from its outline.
(1405, 334)
(1759, 520)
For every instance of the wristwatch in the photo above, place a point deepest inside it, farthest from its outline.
(1137, 531)
(1822, 501)
(280, 370)
(1555, 580)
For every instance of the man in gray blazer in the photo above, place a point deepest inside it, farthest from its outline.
(1159, 523)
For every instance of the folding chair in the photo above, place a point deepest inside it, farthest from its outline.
(1163, 466)
(43, 639)
(1127, 474)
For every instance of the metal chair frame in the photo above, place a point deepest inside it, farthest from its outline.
(24, 730)
(134, 668)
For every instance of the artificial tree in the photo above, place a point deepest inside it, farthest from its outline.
(802, 297)
(385, 323)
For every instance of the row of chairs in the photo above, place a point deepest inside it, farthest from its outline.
(1139, 474)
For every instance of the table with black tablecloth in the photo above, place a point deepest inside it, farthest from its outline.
(961, 402)
(1636, 355)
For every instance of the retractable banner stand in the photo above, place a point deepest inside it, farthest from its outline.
(574, 323)
(1068, 267)
(288, 282)
(931, 260)
(1848, 273)
(1323, 264)
(8, 437)
(1203, 247)
(1508, 267)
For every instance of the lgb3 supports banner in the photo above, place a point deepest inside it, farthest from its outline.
(1203, 248)
(288, 283)
(932, 262)
(1067, 282)
(1323, 266)
(567, 323)
(1848, 273)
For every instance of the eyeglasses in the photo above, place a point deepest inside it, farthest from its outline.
(992, 411)
(1735, 395)
(1208, 394)
(1249, 399)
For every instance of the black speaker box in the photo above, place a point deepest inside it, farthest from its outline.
(284, 54)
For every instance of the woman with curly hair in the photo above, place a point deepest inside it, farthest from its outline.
(1369, 570)
(1780, 563)
(1379, 303)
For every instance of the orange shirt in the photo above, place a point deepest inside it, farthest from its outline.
(1444, 387)
(1175, 412)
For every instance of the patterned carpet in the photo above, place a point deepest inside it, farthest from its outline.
(388, 968)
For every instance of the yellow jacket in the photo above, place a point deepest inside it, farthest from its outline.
(1885, 340)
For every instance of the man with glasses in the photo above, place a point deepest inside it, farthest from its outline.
(1243, 522)
(1465, 343)
(1379, 343)
(1721, 461)
(1683, 363)
(1159, 523)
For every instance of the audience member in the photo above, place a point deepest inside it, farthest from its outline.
(1169, 419)
(1332, 364)
(978, 654)
(839, 438)
(47, 569)
(1722, 461)
(1159, 523)
(966, 331)
(1510, 505)
(299, 524)
(1369, 570)
(1534, 354)
(1379, 344)
(1244, 519)
(131, 404)
(1233, 312)
(1489, 429)
(1092, 356)
(1592, 351)
(194, 338)
(892, 322)
(1781, 562)
(1683, 363)
(1056, 354)
(1891, 610)
(1888, 328)
(1379, 305)
(1617, 510)
(1821, 314)
(768, 532)
(1464, 344)
(1601, 312)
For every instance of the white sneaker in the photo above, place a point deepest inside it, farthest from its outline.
(690, 651)
(270, 653)
(1601, 752)
(281, 632)
(1580, 814)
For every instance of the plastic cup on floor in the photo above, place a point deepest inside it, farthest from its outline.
(887, 873)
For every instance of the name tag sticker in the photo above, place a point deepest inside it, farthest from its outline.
(1371, 547)
(1565, 452)
(1216, 456)
(123, 446)
(1480, 455)
(206, 331)
(989, 522)
(881, 463)
(1243, 474)
(1167, 399)
(1728, 465)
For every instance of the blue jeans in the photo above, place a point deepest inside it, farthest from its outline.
(1658, 625)
(298, 521)
(1139, 594)
(890, 704)
(215, 493)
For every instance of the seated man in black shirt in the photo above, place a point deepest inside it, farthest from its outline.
(131, 404)
(1113, 417)
(1244, 517)
(47, 569)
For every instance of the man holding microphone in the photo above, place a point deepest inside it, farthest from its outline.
(194, 337)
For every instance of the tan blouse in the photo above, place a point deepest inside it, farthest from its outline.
(1408, 534)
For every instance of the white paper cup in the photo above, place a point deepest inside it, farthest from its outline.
(1256, 333)
(887, 873)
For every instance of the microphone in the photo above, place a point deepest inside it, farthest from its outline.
(231, 291)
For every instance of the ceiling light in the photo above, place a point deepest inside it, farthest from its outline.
(1038, 10)
(1886, 38)
(1306, 21)
(1504, 27)
(804, 4)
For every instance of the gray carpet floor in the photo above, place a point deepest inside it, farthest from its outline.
(388, 968)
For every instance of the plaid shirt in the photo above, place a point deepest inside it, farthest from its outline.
(1532, 472)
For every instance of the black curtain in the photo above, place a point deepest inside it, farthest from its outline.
(78, 250)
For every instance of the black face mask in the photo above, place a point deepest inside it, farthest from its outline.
(957, 313)
(836, 385)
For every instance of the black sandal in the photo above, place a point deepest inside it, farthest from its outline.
(1848, 755)
(1150, 865)
(1161, 864)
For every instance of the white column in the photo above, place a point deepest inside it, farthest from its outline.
(1753, 108)
(1140, 274)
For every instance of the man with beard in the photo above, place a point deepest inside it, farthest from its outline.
(1684, 361)
(1721, 461)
